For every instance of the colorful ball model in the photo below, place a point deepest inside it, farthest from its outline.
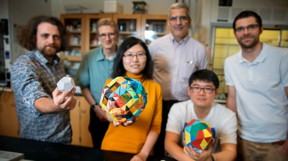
(198, 134)
(123, 99)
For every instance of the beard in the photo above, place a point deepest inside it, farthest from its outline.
(250, 44)
(49, 51)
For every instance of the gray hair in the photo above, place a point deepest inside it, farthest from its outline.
(180, 5)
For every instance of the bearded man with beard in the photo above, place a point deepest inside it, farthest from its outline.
(42, 110)
(257, 80)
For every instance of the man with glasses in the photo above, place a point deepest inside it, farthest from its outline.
(257, 80)
(175, 57)
(202, 90)
(95, 68)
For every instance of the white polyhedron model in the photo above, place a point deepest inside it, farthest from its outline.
(65, 84)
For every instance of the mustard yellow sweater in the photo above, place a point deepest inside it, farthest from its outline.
(131, 139)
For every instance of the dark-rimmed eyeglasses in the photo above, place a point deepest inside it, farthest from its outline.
(130, 56)
(249, 28)
(181, 18)
(206, 90)
(110, 35)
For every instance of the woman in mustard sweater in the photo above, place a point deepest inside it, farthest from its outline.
(136, 141)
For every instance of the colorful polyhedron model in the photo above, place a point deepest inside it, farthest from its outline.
(123, 99)
(198, 134)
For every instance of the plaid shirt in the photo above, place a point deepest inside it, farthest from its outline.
(33, 77)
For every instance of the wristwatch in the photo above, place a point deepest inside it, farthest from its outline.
(94, 105)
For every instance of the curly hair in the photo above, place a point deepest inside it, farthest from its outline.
(27, 37)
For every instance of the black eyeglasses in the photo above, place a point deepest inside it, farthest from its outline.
(110, 35)
(130, 56)
(206, 90)
(181, 18)
(249, 28)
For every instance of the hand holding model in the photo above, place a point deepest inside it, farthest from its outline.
(63, 94)
(123, 99)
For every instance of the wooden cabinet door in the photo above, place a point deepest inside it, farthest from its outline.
(86, 139)
(77, 36)
(153, 27)
(9, 125)
(80, 117)
(92, 37)
(129, 25)
(75, 123)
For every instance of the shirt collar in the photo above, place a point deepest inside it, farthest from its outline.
(101, 56)
(184, 40)
(260, 58)
(39, 56)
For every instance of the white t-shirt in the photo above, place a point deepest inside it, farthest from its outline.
(222, 119)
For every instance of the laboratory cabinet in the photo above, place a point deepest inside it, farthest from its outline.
(80, 118)
(82, 34)
(8, 118)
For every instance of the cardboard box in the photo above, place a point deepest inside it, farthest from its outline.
(111, 6)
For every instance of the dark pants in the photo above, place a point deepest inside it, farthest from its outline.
(97, 129)
(159, 146)
(119, 156)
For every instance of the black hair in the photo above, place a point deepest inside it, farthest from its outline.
(245, 14)
(204, 75)
(27, 37)
(118, 68)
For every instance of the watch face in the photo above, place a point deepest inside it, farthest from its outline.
(93, 106)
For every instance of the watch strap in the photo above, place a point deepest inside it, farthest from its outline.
(94, 105)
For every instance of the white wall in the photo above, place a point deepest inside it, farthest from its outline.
(22, 10)
(96, 6)
(4, 9)
(19, 12)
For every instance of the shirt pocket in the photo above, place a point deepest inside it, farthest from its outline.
(190, 67)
